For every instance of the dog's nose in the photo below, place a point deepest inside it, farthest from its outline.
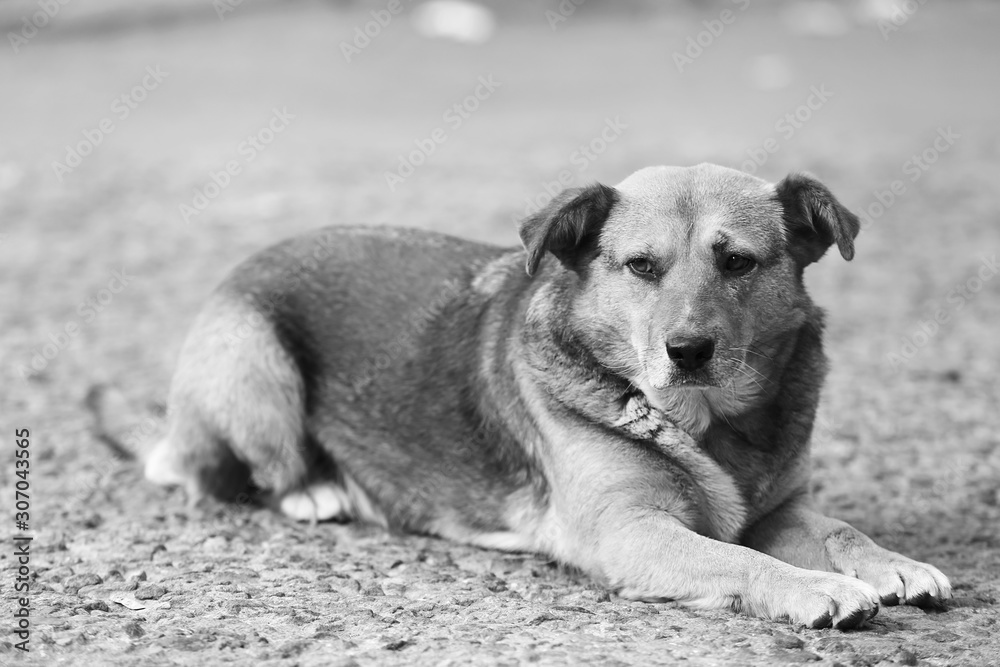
(691, 353)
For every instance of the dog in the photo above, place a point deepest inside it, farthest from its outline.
(632, 393)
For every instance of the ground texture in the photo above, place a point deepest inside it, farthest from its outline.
(906, 448)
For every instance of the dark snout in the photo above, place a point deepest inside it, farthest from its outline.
(690, 352)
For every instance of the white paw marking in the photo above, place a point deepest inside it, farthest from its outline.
(318, 502)
(161, 468)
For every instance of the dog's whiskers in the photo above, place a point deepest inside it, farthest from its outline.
(745, 366)
(742, 368)
(751, 349)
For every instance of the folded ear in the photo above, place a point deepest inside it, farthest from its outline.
(568, 225)
(814, 219)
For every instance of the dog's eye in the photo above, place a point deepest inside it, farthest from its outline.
(738, 264)
(642, 267)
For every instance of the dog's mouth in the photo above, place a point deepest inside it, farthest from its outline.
(677, 382)
(699, 378)
(678, 378)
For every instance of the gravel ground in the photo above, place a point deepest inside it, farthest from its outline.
(123, 573)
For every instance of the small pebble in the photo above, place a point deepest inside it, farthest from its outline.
(151, 592)
(397, 645)
(134, 630)
(794, 657)
(373, 590)
(943, 636)
(78, 581)
(788, 641)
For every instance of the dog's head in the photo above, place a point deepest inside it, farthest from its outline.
(689, 280)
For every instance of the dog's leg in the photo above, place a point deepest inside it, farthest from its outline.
(192, 457)
(648, 554)
(798, 535)
(236, 409)
(628, 515)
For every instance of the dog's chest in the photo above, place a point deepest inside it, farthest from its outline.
(765, 474)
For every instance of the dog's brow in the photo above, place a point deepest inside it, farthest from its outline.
(724, 242)
(642, 249)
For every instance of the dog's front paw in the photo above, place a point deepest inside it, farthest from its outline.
(825, 599)
(898, 579)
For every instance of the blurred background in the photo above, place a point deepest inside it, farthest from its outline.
(147, 147)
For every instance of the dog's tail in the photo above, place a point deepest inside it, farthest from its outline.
(126, 430)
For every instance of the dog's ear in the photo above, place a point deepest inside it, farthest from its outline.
(567, 225)
(814, 219)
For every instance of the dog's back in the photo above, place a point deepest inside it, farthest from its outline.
(349, 355)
